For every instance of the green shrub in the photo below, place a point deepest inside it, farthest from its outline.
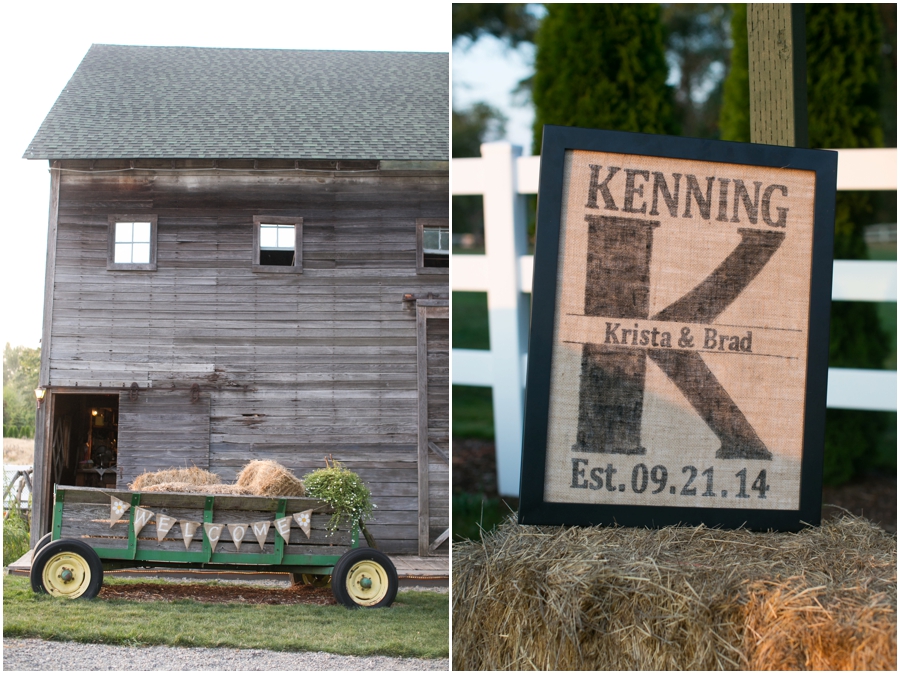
(344, 491)
(15, 536)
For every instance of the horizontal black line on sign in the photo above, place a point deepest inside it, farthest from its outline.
(700, 351)
(723, 325)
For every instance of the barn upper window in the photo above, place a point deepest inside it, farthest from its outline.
(132, 242)
(432, 245)
(277, 244)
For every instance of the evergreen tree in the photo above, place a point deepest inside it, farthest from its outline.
(844, 61)
(602, 66)
(697, 48)
(734, 121)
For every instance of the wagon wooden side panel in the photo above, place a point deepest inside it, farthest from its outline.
(84, 514)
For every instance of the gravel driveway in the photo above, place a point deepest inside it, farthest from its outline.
(39, 655)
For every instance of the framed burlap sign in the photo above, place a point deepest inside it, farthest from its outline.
(678, 355)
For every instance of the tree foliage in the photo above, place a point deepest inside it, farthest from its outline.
(21, 370)
(507, 21)
(697, 46)
(602, 66)
(475, 125)
(734, 119)
(845, 69)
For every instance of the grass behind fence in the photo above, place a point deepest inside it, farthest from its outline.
(416, 626)
(15, 537)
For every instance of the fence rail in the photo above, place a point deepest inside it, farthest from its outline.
(503, 178)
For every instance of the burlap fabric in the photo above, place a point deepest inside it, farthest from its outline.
(679, 355)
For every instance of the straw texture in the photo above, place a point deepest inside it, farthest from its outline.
(188, 488)
(192, 476)
(269, 478)
(676, 598)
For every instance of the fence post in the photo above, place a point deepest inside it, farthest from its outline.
(505, 242)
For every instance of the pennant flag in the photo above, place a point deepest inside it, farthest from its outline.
(283, 526)
(261, 530)
(163, 524)
(189, 529)
(213, 533)
(141, 517)
(116, 510)
(303, 521)
(237, 531)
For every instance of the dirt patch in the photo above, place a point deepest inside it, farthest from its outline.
(216, 594)
(872, 496)
(18, 452)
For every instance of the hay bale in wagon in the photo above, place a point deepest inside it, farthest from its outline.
(190, 476)
(677, 598)
(269, 478)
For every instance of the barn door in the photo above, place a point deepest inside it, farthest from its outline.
(161, 429)
(433, 329)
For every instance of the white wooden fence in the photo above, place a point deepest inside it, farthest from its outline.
(502, 176)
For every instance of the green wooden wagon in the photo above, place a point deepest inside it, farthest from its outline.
(70, 560)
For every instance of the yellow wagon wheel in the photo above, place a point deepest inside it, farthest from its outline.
(364, 578)
(67, 568)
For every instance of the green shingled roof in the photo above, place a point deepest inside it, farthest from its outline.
(187, 102)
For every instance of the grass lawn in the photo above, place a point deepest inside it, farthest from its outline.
(416, 626)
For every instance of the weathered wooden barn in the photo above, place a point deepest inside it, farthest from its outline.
(247, 259)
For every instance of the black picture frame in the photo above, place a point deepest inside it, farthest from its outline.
(557, 140)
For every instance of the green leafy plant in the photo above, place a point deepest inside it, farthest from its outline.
(15, 533)
(343, 490)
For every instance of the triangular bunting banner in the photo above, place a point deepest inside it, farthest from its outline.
(163, 524)
(261, 530)
(237, 531)
(117, 508)
(141, 517)
(283, 527)
(189, 529)
(213, 533)
(303, 521)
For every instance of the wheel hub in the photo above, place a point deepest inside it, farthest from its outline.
(66, 575)
(367, 583)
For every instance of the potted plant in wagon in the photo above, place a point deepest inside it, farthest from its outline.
(366, 576)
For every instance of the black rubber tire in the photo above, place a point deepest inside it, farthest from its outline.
(81, 554)
(42, 541)
(360, 562)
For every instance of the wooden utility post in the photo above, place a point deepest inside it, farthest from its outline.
(776, 37)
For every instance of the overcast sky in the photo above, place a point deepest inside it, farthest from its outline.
(43, 43)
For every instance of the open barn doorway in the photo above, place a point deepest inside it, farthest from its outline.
(83, 445)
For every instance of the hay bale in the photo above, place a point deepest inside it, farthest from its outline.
(191, 476)
(187, 488)
(677, 598)
(269, 478)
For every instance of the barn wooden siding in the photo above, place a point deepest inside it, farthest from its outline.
(296, 366)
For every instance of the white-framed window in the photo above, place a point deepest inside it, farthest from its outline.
(433, 245)
(277, 244)
(132, 242)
